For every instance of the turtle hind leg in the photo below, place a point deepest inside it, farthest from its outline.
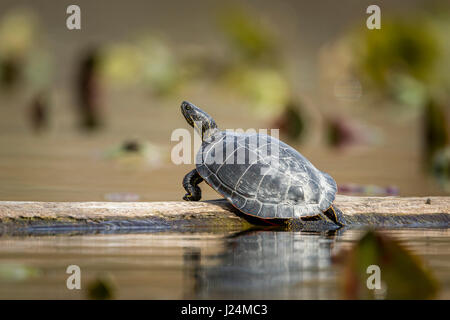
(312, 218)
(335, 215)
(190, 184)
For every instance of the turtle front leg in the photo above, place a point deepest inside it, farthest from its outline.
(190, 184)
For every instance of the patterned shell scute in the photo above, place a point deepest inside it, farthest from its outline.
(263, 176)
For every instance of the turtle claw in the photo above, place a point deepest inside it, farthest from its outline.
(190, 197)
(190, 184)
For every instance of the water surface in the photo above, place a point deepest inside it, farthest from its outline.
(198, 265)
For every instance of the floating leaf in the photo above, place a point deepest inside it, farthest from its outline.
(159, 66)
(402, 274)
(436, 130)
(402, 47)
(134, 151)
(122, 64)
(342, 132)
(101, 288)
(441, 167)
(252, 40)
(292, 121)
(266, 89)
(18, 272)
(18, 29)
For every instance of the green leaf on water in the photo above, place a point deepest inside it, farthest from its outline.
(251, 38)
(101, 288)
(402, 274)
(17, 272)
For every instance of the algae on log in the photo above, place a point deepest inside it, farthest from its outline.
(358, 212)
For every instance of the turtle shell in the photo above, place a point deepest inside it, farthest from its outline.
(264, 177)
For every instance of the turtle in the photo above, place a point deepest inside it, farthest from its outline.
(258, 174)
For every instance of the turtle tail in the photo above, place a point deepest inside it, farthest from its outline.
(335, 215)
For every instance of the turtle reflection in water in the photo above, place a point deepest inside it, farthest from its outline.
(264, 265)
(268, 185)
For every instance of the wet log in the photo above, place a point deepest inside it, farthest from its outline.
(358, 212)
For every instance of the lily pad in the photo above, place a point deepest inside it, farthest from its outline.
(402, 275)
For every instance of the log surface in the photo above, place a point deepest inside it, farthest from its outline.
(358, 211)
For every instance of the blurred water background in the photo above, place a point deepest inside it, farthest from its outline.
(304, 62)
(87, 115)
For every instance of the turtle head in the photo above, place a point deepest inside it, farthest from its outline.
(198, 119)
